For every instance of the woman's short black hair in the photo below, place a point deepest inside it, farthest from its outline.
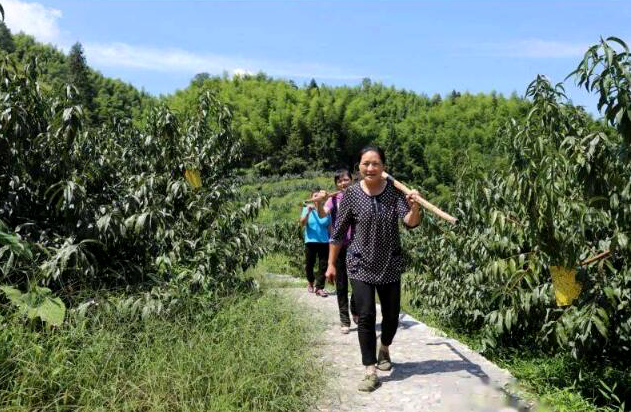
(373, 148)
(339, 173)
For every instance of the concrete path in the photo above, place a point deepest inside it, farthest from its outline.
(430, 373)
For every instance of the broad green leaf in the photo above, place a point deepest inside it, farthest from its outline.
(37, 303)
(600, 326)
(140, 222)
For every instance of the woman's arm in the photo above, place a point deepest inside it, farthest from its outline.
(413, 217)
(320, 199)
(322, 212)
(331, 271)
(305, 216)
(409, 209)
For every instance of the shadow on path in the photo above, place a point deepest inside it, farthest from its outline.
(404, 370)
(403, 324)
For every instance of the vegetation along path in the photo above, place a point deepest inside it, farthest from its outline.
(430, 373)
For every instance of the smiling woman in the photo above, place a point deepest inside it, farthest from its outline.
(373, 207)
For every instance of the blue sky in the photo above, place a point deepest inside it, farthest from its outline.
(426, 46)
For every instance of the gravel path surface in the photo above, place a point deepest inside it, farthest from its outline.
(430, 372)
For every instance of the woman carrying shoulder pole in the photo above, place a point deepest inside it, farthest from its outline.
(374, 261)
(316, 244)
(342, 179)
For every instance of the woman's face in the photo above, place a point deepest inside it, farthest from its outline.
(343, 182)
(371, 167)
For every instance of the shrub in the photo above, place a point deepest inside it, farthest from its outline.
(145, 206)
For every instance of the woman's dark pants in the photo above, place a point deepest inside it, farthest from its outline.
(390, 299)
(341, 289)
(313, 251)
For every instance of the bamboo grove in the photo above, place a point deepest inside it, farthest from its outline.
(565, 198)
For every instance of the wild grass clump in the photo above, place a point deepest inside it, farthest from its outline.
(252, 354)
(264, 273)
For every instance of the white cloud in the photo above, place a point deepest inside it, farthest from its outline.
(151, 58)
(549, 49)
(34, 19)
(534, 48)
(172, 60)
(242, 72)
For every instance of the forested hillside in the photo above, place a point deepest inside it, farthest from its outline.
(288, 129)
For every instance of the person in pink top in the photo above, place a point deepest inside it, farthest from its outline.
(342, 179)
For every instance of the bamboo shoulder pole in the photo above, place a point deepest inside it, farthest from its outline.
(328, 195)
(427, 205)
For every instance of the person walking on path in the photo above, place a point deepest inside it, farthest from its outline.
(316, 244)
(342, 179)
(374, 259)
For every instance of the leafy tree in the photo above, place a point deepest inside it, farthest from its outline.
(562, 201)
(454, 95)
(366, 83)
(613, 83)
(274, 118)
(6, 39)
(200, 78)
(312, 85)
(120, 206)
(79, 77)
(112, 99)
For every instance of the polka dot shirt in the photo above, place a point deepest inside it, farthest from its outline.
(374, 254)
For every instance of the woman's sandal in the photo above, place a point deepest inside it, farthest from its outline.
(369, 383)
(322, 292)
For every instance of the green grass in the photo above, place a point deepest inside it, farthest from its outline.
(548, 376)
(278, 264)
(286, 196)
(254, 354)
(284, 208)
